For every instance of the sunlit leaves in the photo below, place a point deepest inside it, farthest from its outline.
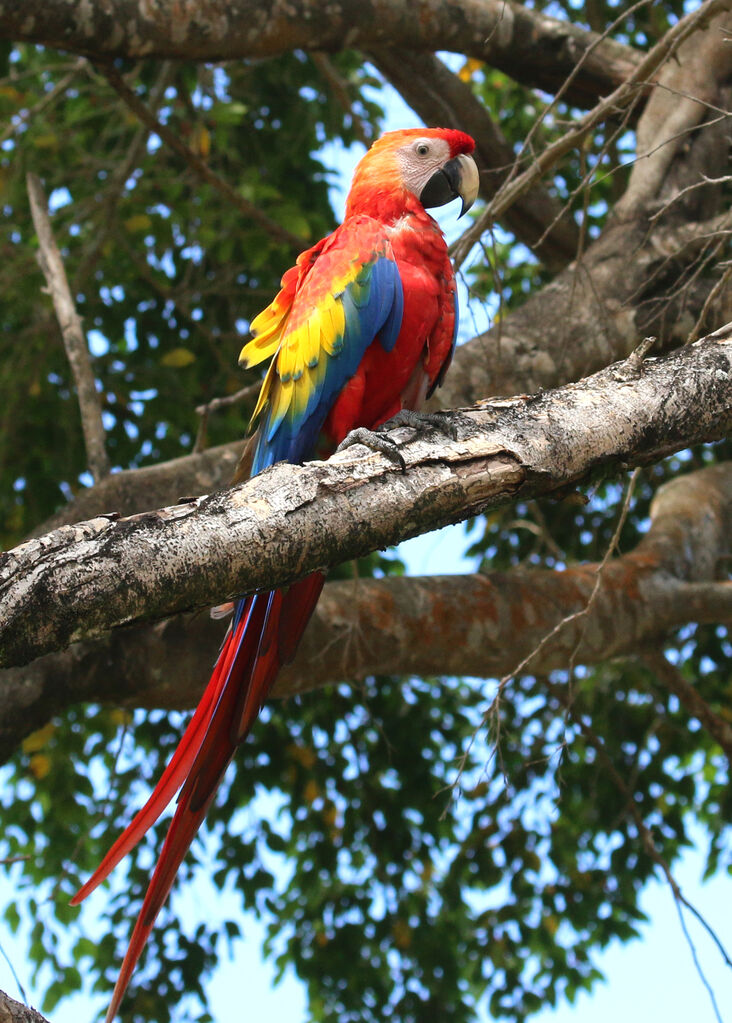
(398, 880)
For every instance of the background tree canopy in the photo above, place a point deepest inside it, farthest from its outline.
(500, 762)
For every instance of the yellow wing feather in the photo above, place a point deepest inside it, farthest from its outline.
(302, 329)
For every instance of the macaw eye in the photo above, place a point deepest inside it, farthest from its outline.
(423, 149)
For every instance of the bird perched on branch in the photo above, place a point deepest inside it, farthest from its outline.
(363, 327)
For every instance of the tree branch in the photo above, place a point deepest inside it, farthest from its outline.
(670, 677)
(419, 626)
(120, 176)
(79, 581)
(630, 282)
(151, 486)
(609, 106)
(77, 350)
(528, 45)
(15, 1012)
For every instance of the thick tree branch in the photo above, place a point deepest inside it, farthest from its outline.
(79, 581)
(77, 350)
(448, 625)
(152, 486)
(528, 45)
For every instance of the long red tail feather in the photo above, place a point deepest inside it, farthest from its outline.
(172, 777)
(266, 631)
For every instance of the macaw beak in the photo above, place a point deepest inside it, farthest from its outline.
(459, 177)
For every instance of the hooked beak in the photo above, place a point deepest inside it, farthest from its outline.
(459, 177)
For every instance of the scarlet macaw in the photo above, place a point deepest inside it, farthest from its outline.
(364, 326)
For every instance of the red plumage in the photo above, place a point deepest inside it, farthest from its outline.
(364, 326)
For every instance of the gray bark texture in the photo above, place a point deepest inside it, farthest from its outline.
(15, 1012)
(530, 46)
(291, 520)
(403, 626)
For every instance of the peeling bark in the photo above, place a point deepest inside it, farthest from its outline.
(419, 626)
(291, 520)
(528, 45)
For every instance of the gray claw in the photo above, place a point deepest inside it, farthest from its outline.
(375, 442)
(444, 422)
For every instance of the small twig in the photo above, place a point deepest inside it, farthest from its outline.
(120, 176)
(704, 183)
(650, 846)
(204, 411)
(492, 711)
(77, 350)
(716, 290)
(695, 958)
(340, 90)
(195, 162)
(631, 368)
(45, 101)
(99, 816)
(611, 105)
(687, 694)
(16, 978)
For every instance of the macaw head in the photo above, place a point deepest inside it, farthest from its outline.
(433, 165)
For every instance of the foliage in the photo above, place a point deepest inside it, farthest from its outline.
(391, 888)
(165, 282)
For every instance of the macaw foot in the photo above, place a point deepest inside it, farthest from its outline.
(375, 442)
(424, 421)
(379, 440)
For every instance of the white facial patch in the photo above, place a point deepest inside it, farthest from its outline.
(420, 159)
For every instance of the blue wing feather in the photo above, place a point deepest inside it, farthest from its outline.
(373, 305)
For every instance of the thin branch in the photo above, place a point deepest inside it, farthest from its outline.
(670, 676)
(44, 102)
(713, 294)
(16, 978)
(331, 74)
(611, 105)
(526, 145)
(694, 955)
(492, 712)
(650, 846)
(77, 350)
(199, 166)
(204, 411)
(121, 175)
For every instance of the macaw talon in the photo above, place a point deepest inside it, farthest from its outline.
(374, 442)
(446, 423)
